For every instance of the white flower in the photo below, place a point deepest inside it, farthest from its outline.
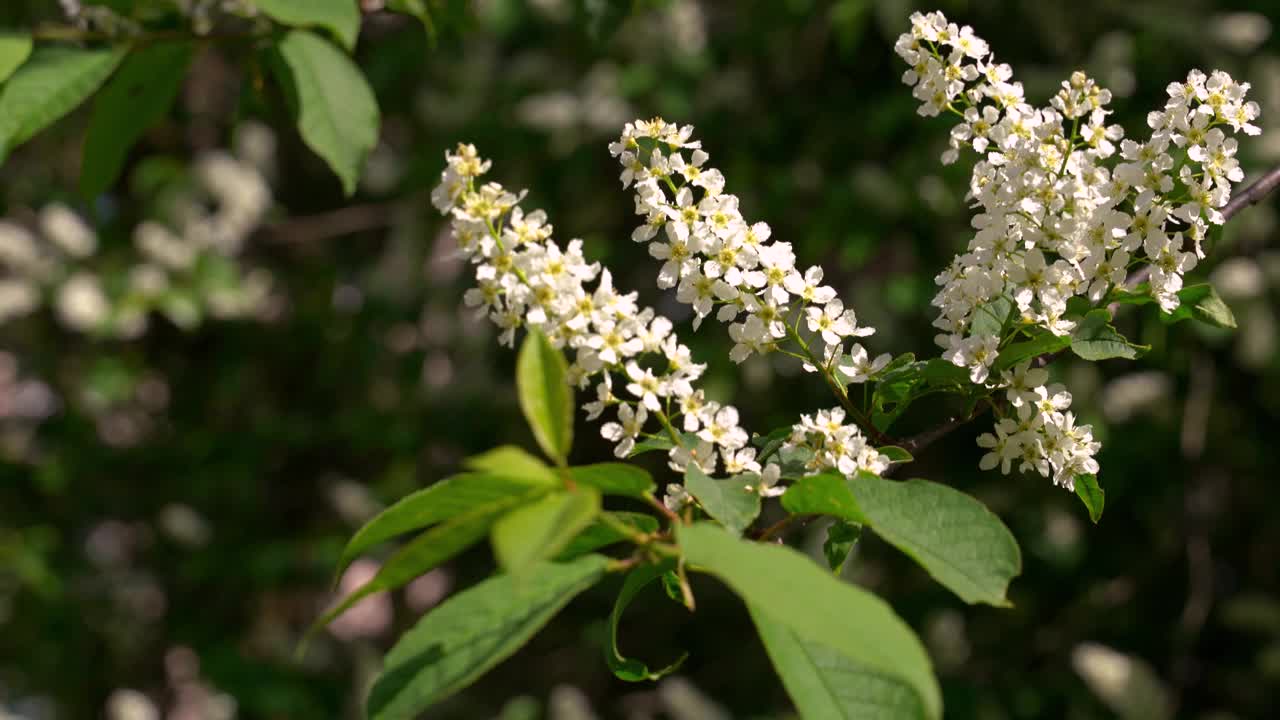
(646, 387)
(625, 432)
(723, 429)
(860, 368)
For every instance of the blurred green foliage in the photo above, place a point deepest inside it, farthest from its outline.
(209, 532)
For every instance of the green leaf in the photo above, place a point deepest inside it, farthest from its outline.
(511, 461)
(771, 443)
(615, 479)
(842, 536)
(626, 668)
(727, 501)
(990, 317)
(425, 552)
(335, 109)
(788, 587)
(545, 395)
(1203, 303)
(539, 531)
(662, 442)
(896, 454)
(340, 17)
(445, 499)
(1042, 344)
(1096, 339)
(15, 48)
(1139, 295)
(961, 543)
(136, 98)
(602, 534)
(1092, 495)
(825, 684)
(471, 632)
(52, 82)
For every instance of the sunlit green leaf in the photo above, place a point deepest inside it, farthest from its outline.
(339, 17)
(791, 589)
(335, 109)
(545, 395)
(1203, 303)
(538, 531)
(15, 48)
(1091, 494)
(825, 684)
(602, 534)
(50, 84)
(1096, 339)
(615, 479)
(511, 461)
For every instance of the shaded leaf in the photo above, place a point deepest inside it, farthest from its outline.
(630, 669)
(539, 531)
(615, 479)
(788, 587)
(990, 317)
(601, 534)
(727, 501)
(545, 395)
(1203, 303)
(51, 83)
(335, 109)
(471, 632)
(842, 536)
(896, 454)
(136, 98)
(825, 684)
(1042, 344)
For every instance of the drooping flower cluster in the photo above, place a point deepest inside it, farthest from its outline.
(714, 257)
(1054, 220)
(187, 266)
(1043, 436)
(525, 279)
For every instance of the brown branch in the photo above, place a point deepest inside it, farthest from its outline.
(343, 221)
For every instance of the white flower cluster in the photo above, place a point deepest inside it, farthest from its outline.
(714, 257)
(1043, 437)
(525, 279)
(1054, 220)
(833, 444)
(181, 274)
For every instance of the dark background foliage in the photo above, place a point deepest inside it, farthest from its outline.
(368, 380)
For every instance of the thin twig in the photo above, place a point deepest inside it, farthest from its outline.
(343, 221)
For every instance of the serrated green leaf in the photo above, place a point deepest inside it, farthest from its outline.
(1042, 344)
(789, 588)
(425, 552)
(335, 109)
(15, 48)
(511, 461)
(445, 499)
(1092, 495)
(615, 479)
(990, 317)
(1203, 303)
(727, 501)
(545, 395)
(339, 17)
(602, 534)
(842, 536)
(955, 538)
(137, 97)
(471, 632)
(825, 684)
(630, 669)
(50, 84)
(1096, 339)
(539, 531)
